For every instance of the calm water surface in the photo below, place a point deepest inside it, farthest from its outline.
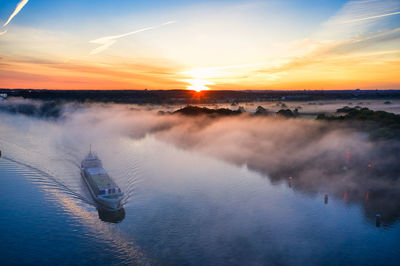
(181, 208)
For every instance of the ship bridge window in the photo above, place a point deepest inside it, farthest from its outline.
(102, 192)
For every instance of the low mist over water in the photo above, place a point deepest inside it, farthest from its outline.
(198, 190)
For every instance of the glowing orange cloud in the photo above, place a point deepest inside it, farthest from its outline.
(80, 75)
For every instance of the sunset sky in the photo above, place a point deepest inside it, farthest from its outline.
(277, 44)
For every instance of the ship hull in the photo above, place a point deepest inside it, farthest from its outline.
(109, 204)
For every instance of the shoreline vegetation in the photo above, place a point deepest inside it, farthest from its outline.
(192, 97)
(380, 125)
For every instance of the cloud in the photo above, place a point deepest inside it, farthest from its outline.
(36, 72)
(18, 8)
(107, 41)
(3, 32)
(359, 16)
(103, 47)
(346, 49)
(372, 17)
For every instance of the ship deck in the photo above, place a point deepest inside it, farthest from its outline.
(100, 177)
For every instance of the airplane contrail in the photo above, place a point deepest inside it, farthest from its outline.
(107, 41)
(372, 17)
(18, 8)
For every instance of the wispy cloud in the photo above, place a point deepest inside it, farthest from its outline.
(360, 16)
(346, 52)
(37, 72)
(371, 17)
(107, 41)
(18, 8)
(3, 32)
(356, 18)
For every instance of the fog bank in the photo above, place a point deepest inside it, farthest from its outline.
(320, 156)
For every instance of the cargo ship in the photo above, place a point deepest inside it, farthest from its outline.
(103, 189)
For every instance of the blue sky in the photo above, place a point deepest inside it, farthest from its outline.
(64, 14)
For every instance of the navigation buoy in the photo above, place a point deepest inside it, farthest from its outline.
(378, 220)
(326, 199)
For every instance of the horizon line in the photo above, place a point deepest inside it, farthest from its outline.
(203, 91)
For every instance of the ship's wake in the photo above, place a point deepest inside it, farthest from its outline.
(50, 181)
(59, 168)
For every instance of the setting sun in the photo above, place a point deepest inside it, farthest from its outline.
(198, 85)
